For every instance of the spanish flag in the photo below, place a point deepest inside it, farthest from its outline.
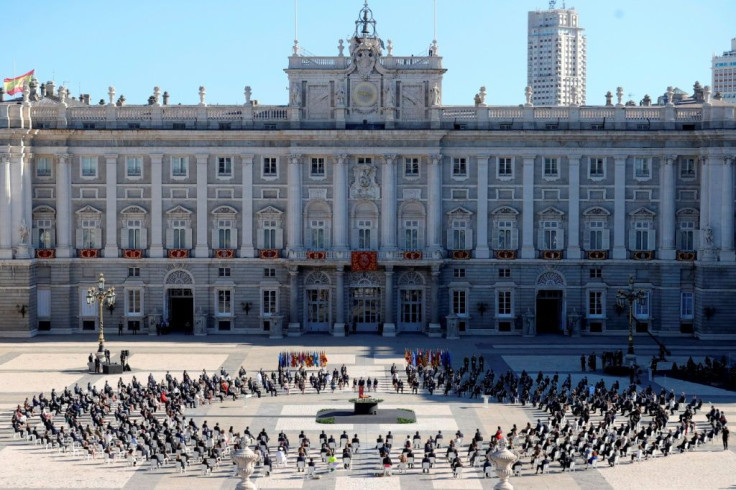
(15, 85)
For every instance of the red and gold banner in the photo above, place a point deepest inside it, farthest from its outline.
(45, 253)
(316, 255)
(178, 253)
(364, 261)
(132, 253)
(88, 253)
(225, 253)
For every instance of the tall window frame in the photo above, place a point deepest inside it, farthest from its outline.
(134, 167)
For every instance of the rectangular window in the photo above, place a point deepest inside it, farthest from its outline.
(550, 230)
(224, 237)
(411, 235)
(641, 307)
(224, 167)
(89, 167)
(133, 306)
(268, 302)
(595, 228)
(642, 168)
(180, 233)
(365, 160)
(317, 228)
(411, 167)
(460, 302)
(504, 303)
(641, 235)
(45, 230)
(687, 305)
(89, 233)
(269, 272)
(551, 169)
(459, 194)
(134, 233)
(43, 167)
(459, 235)
(687, 168)
(134, 272)
(134, 167)
(459, 167)
(179, 166)
(504, 273)
(505, 167)
(458, 272)
(595, 303)
(269, 233)
(270, 167)
(364, 234)
(224, 303)
(318, 167)
(505, 235)
(223, 272)
(595, 273)
(687, 236)
(596, 168)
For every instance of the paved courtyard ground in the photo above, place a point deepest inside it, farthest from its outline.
(28, 367)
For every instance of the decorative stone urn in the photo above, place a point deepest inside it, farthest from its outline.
(245, 460)
(504, 460)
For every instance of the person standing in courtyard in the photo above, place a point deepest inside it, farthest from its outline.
(726, 433)
(582, 362)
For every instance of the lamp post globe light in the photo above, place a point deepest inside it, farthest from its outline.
(103, 297)
(630, 295)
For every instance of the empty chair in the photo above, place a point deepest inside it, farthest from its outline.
(488, 472)
(425, 467)
(300, 465)
(347, 462)
(457, 472)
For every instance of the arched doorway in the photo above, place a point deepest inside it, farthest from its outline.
(365, 302)
(179, 301)
(411, 302)
(550, 303)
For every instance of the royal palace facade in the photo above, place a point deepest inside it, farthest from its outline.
(366, 204)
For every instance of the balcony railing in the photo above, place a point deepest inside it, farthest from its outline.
(132, 253)
(550, 254)
(269, 253)
(88, 253)
(177, 253)
(223, 253)
(460, 254)
(686, 255)
(596, 254)
(505, 254)
(45, 253)
(642, 254)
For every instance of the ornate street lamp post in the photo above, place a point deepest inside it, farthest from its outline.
(630, 295)
(102, 296)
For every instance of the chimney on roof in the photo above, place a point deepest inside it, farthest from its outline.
(50, 88)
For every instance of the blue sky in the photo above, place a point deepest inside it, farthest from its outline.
(641, 45)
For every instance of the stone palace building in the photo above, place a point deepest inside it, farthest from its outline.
(366, 204)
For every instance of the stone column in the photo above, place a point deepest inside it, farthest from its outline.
(339, 327)
(481, 250)
(6, 194)
(246, 247)
(18, 215)
(340, 204)
(619, 208)
(156, 246)
(527, 232)
(294, 212)
(27, 185)
(727, 212)
(667, 242)
(201, 250)
(389, 327)
(294, 324)
(573, 208)
(111, 205)
(63, 207)
(706, 249)
(434, 222)
(388, 204)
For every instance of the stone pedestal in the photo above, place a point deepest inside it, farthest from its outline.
(434, 330)
(151, 322)
(452, 328)
(574, 318)
(389, 330)
(277, 327)
(22, 252)
(530, 326)
(200, 324)
(338, 330)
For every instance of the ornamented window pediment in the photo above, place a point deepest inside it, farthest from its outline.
(688, 213)
(133, 210)
(44, 212)
(596, 212)
(412, 209)
(318, 209)
(551, 212)
(459, 212)
(269, 212)
(504, 210)
(88, 211)
(411, 278)
(550, 279)
(179, 212)
(179, 277)
(224, 210)
(643, 214)
(317, 279)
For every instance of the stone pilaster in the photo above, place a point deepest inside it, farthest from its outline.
(294, 212)
(727, 212)
(246, 247)
(667, 242)
(294, 298)
(157, 246)
(527, 215)
(340, 203)
(573, 208)
(388, 203)
(6, 209)
(389, 326)
(201, 250)
(481, 250)
(63, 207)
(111, 205)
(619, 208)
(434, 222)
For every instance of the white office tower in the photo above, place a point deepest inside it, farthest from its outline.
(724, 74)
(557, 58)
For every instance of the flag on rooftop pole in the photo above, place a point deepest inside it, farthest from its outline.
(15, 85)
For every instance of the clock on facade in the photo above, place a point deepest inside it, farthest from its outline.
(365, 94)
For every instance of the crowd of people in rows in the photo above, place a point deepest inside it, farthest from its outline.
(145, 420)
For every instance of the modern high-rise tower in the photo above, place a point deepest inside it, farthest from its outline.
(724, 74)
(557, 57)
